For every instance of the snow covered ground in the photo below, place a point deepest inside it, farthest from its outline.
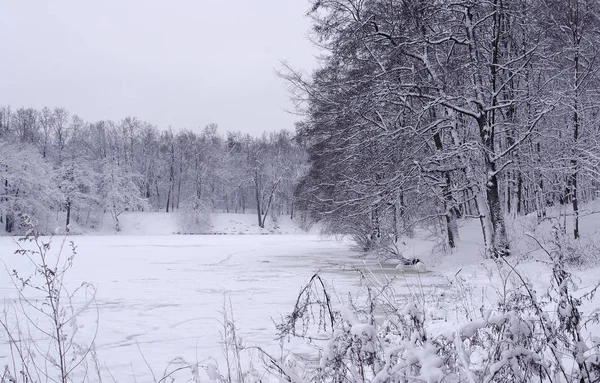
(153, 223)
(162, 295)
(161, 223)
(165, 293)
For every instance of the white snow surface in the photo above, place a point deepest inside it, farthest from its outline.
(153, 223)
(165, 293)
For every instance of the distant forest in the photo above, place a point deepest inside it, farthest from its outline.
(54, 163)
(421, 113)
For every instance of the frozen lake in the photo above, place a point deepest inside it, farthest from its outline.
(165, 293)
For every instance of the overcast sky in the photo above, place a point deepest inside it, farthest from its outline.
(180, 63)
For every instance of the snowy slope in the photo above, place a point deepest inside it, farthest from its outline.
(161, 223)
(476, 282)
(230, 223)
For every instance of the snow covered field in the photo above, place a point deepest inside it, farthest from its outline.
(162, 296)
(153, 223)
(165, 293)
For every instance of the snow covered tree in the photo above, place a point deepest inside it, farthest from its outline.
(573, 28)
(77, 182)
(465, 90)
(119, 191)
(27, 185)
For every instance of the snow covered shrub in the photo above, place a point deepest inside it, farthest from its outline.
(530, 337)
(375, 232)
(577, 252)
(232, 345)
(555, 230)
(506, 344)
(523, 337)
(194, 217)
(381, 340)
(570, 322)
(119, 191)
(384, 247)
(40, 327)
(368, 242)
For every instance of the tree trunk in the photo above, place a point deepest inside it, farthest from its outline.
(496, 241)
(9, 222)
(257, 196)
(499, 244)
(168, 199)
(574, 163)
(519, 193)
(375, 228)
(243, 200)
(68, 214)
(157, 198)
(575, 202)
(179, 182)
(395, 215)
(508, 193)
(449, 213)
(269, 202)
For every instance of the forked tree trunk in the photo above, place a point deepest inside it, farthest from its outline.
(496, 239)
(449, 213)
(265, 209)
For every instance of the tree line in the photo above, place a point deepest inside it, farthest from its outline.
(426, 111)
(421, 113)
(56, 167)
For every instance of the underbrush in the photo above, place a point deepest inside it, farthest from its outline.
(524, 336)
(194, 217)
(379, 335)
(40, 325)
